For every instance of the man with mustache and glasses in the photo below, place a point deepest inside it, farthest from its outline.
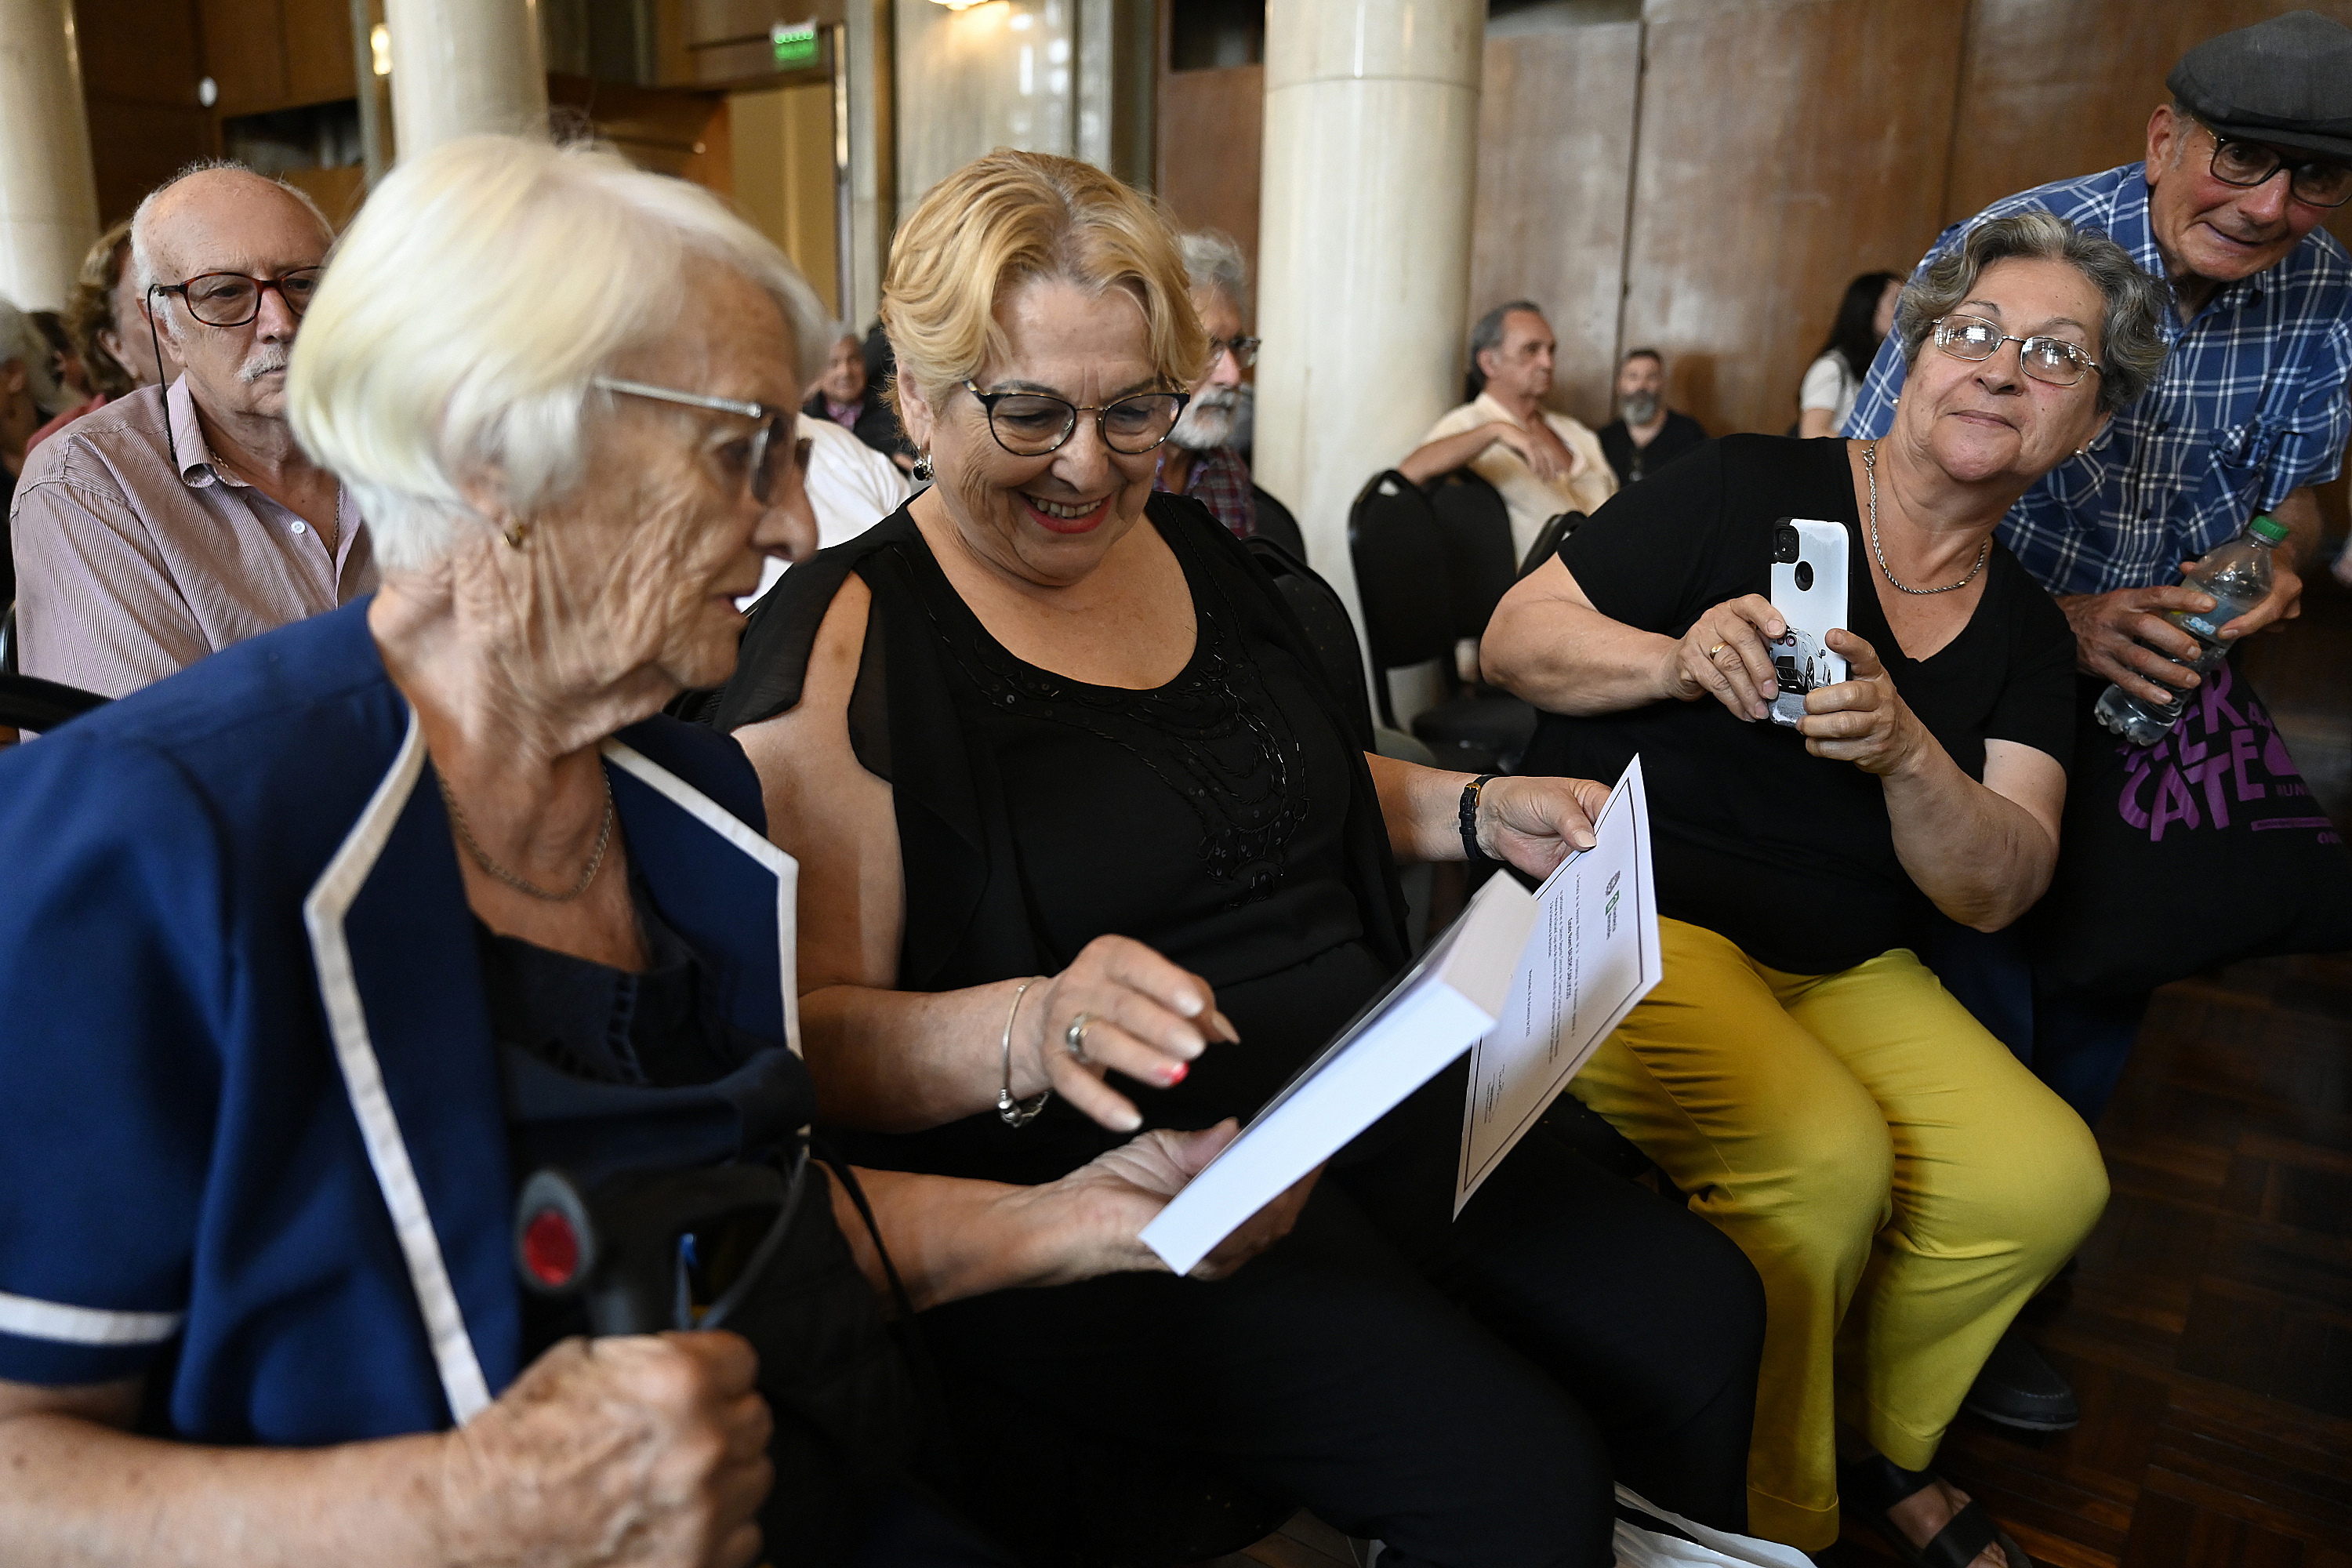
(1199, 458)
(2249, 157)
(175, 522)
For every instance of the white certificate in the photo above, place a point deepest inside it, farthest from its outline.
(1593, 954)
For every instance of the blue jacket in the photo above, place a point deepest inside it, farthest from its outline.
(251, 1134)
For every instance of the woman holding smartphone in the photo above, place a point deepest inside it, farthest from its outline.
(1902, 1183)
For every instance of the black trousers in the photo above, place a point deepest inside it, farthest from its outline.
(1463, 1391)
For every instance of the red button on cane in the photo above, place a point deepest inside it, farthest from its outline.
(551, 1248)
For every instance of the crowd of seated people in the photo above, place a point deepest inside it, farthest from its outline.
(963, 899)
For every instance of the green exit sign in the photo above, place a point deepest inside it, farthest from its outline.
(795, 45)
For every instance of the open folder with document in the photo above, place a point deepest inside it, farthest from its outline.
(1396, 1045)
(1533, 980)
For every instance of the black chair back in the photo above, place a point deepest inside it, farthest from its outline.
(1398, 551)
(1274, 523)
(1480, 560)
(1320, 609)
(1548, 539)
(28, 703)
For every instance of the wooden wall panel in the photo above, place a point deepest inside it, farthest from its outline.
(1555, 159)
(140, 61)
(1785, 146)
(244, 53)
(1211, 124)
(319, 58)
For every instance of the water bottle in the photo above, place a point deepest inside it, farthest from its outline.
(2238, 577)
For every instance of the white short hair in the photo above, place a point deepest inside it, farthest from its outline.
(1212, 260)
(466, 312)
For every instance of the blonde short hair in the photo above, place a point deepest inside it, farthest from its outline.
(1003, 219)
(466, 312)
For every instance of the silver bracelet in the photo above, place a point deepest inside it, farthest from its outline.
(1016, 1112)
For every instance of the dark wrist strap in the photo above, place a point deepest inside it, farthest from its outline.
(1470, 792)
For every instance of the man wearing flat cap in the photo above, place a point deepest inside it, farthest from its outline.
(2249, 412)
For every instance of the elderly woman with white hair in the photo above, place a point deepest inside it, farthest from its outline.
(313, 954)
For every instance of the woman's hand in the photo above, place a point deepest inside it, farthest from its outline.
(1535, 822)
(1117, 1194)
(1144, 1017)
(1862, 719)
(1726, 655)
(647, 1451)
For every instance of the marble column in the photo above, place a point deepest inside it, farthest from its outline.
(460, 67)
(48, 194)
(1370, 162)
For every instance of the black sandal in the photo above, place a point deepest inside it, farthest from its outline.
(1872, 1487)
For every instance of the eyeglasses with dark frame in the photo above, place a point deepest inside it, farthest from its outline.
(2314, 182)
(773, 444)
(1243, 349)
(2053, 361)
(233, 298)
(1031, 424)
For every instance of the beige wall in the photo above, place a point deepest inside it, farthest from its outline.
(783, 175)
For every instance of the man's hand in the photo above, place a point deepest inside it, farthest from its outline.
(2117, 637)
(1540, 457)
(2283, 602)
(645, 1451)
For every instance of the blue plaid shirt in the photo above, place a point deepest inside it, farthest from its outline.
(2250, 405)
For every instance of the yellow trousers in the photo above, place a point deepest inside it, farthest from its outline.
(1899, 1180)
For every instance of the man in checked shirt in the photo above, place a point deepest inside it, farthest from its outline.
(2252, 155)
(2250, 413)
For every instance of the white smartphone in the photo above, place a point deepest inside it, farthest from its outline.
(1809, 589)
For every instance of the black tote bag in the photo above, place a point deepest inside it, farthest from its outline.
(2201, 850)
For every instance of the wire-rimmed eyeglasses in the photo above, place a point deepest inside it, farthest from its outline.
(2051, 360)
(773, 446)
(1031, 424)
(233, 298)
(1243, 349)
(2314, 182)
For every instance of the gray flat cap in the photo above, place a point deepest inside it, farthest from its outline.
(2287, 81)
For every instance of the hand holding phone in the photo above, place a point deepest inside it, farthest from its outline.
(1809, 590)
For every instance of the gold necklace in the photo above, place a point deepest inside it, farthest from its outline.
(482, 858)
(1870, 471)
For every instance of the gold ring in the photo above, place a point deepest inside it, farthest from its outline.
(1716, 650)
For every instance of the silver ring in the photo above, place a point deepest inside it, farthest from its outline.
(1074, 1039)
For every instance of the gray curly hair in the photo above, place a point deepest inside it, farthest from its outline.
(2131, 335)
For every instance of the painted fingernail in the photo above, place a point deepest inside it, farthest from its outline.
(1174, 1075)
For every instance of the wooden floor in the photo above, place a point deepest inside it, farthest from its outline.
(2208, 1330)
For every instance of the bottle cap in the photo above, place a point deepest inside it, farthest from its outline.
(2268, 528)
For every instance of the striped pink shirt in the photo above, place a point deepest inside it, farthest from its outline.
(130, 567)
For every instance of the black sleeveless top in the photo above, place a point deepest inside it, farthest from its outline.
(1222, 819)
